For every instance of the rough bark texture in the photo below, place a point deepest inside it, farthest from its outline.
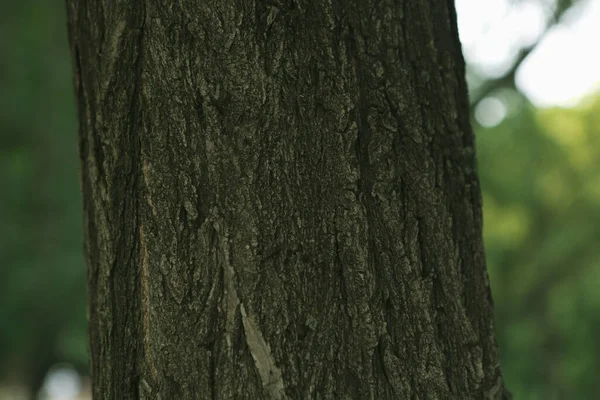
(281, 201)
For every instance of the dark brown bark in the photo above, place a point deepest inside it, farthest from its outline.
(281, 201)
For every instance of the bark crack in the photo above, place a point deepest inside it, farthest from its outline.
(231, 299)
(145, 302)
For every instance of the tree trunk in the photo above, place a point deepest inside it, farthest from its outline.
(281, 201)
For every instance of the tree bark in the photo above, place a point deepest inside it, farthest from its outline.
(281, 201)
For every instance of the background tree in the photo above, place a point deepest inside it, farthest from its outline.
(281, 202)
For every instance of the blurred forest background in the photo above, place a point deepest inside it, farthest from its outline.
(532, 67)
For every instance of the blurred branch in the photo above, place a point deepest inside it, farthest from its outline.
(508, 79)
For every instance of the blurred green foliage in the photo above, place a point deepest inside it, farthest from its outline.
(540, 175)
(42, 285)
